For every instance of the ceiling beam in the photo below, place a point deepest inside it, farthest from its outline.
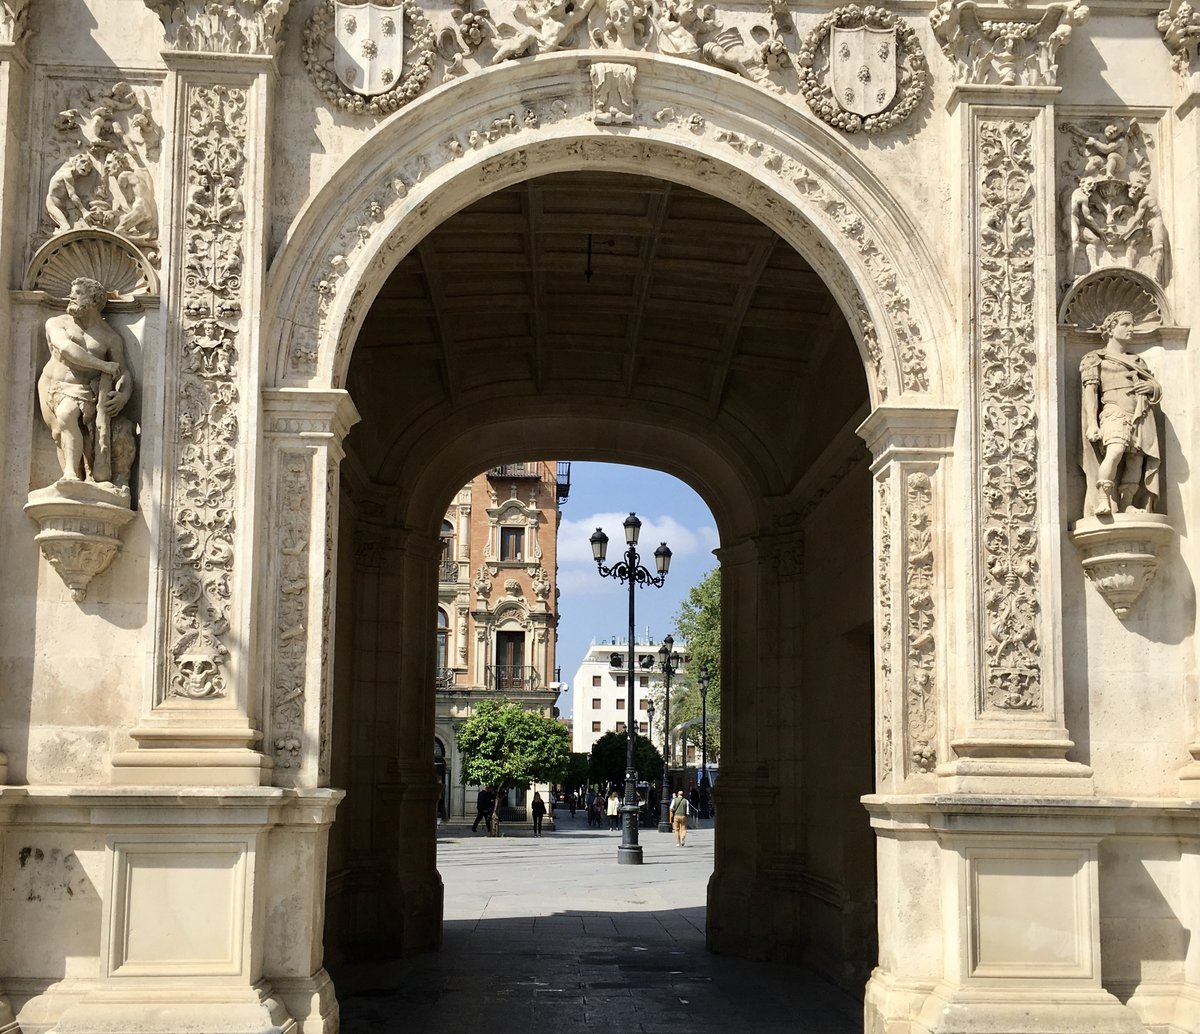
(644, 280)
(755, 266)
(437, 299)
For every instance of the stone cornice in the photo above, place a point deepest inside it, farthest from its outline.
(253, 27)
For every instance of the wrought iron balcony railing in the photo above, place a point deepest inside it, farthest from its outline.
(506, 678)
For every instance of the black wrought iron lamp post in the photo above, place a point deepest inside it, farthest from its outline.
(650, 737)
(704, 741)
(668, 662)
(630, 570)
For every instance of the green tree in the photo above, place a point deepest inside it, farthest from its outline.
(577, 772)
(698, 623)
(506, 747)
(608, 759)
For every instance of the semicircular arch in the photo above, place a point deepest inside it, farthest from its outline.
(462, 142)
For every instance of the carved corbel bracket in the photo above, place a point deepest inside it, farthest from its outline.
(80, 529)
(1120, 554)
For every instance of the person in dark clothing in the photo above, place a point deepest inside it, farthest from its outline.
(483, 809)
(539, 813)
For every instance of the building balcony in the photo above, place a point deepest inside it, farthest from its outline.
(446, 678)
(448, 572)
(521, 471)
(512, 678)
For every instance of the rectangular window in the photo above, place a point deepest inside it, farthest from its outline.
(642, 727)
(595, 703)
(620, 680)
(595, 726)
(595, 680)
(512, 544)
(642, 704)
(620, 726)
(643, 681)
(620, 703)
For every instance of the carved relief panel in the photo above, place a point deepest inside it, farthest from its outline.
(1109, 197)
(97, 157)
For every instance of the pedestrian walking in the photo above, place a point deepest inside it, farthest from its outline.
(539, 813)
(573, 801)
(614, 804)
(680, 809)
(598, 810)
(484, 803)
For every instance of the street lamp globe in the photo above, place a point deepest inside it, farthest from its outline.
(633, 527)
(662, 558)
(599, 543)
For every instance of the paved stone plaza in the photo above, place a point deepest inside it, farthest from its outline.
(552, 935)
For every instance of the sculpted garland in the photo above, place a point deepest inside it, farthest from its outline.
(859, 69)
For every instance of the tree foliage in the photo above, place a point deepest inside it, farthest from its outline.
(698, 623)
(506, 747)
(577, 771)
(608, 759)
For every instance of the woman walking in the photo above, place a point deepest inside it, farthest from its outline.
(539, 813)
(614, 804)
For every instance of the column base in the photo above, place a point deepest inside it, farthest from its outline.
(191, 766)
(891, 1005)
(1046, 1009)
(1038, 777)
(1169, 1008)
(149, 1009)
(311, 1001)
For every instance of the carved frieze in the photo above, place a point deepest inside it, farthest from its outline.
(100, 161)
(920, 697)
(1008, 396)
(204, 531)
(1018, 47)
(861, 69)
(1109, 215)
(228, 27)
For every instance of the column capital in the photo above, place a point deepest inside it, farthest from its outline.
(908, 432)
(308, 413)
(247, 27)
(14, 22)
(1005, 47)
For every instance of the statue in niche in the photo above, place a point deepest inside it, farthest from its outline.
(83, 389)
(1121, 455)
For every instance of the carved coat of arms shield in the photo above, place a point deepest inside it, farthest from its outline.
(368, 46)
(862, 68)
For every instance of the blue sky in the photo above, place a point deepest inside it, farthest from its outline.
(591, 607)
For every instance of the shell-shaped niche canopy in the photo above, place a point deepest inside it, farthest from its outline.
(119, 265)
(1092, 298)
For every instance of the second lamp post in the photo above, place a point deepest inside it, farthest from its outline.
(630, 570)
(668, 665)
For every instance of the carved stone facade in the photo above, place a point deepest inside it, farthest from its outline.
(725, 240)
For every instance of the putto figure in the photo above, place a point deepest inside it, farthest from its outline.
(83, 389)
(1120, 437)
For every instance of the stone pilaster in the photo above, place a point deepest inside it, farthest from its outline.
(1009, 733)
(200, 723)
(911, 448)
(14, 29)
(303, 431)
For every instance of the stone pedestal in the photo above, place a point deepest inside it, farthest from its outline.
(1120, 554)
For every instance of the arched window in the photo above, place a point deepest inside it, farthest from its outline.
(447, 537)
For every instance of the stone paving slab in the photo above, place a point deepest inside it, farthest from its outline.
(550, 934)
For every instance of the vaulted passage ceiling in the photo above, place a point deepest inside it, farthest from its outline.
(690, 302)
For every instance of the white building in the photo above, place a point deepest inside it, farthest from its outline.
(600, 689)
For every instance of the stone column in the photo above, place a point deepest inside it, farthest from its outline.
(200, 723)
(408, 586)
(747, 792)
(303, 431)
(14, 71)
(1009, 733)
